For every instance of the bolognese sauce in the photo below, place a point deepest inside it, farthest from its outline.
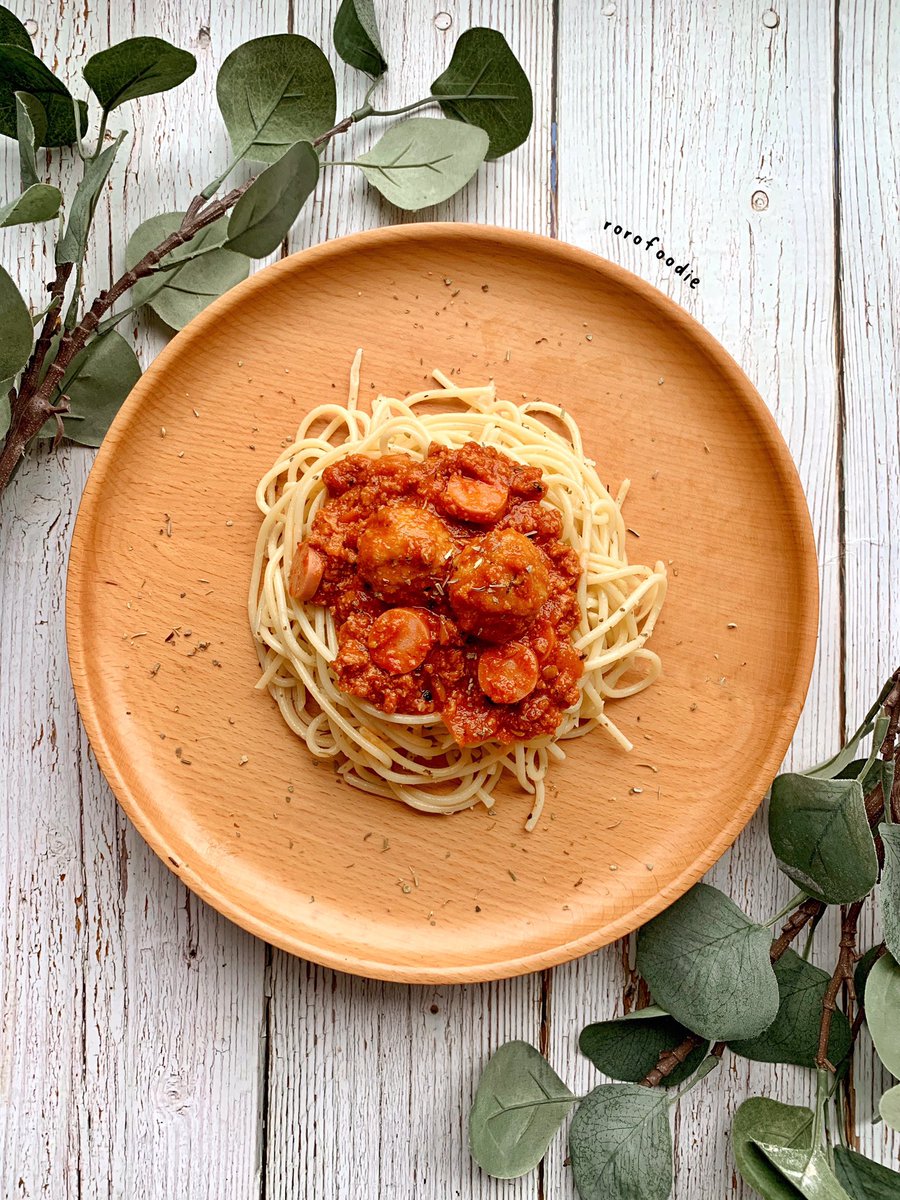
(450, 588)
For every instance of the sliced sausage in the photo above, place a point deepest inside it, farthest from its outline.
(506, 674)
(399, 641)
(475, 501)
(306, 572)
(542, 639)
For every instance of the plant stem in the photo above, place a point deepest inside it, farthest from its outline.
(843, 971)
(33, 404)
(397, 112)
(48, 331)
(789, 907)
(670, 1059)
(101, 134)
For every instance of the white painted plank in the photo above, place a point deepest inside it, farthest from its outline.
(672, 119)
(370, 1084)
(869, 141)
(143, 1071)
(47, 942)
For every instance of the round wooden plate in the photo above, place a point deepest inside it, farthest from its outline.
(164, 666)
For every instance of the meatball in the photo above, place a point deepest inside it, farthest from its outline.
(403, 552)
(499, 584)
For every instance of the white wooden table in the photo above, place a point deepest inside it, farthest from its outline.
(149, 1047)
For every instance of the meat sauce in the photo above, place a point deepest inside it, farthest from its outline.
(451, 590)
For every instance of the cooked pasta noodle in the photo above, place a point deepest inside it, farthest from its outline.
(414, 758)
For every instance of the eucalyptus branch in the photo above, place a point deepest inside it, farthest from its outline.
(843, 972)
(34, 403)
(48, 331)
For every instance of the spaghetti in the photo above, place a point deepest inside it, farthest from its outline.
(414, 757)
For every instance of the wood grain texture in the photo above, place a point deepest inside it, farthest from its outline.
(869, 204)
(683, 111)
(734, 178)
(411, 1059)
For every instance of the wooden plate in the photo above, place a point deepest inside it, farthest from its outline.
(164, 665)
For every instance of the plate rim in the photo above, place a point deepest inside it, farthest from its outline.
(77, 582)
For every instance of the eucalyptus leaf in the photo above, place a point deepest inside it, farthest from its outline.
(12, 31)
(821, 837)
(177, 295)
(833, 766)
(867, 773)
(793, 1037)
(38, 203)
(518, 1107)
(889, 888)
(97, 382)
(356, 37)
(620, 1144)
(762, 1120)
(16, 330)
(495, 90)
(863, 1179)
(863, 968)
(807, 1170)
(71, 246)
(21, 71)
(889, 1107)
(275, 91)
(263, 216)
(5, 414)
(883, 1011)
(628, 1047)
(423, 161)
(708, 965)
(31, 129)
(137, 67)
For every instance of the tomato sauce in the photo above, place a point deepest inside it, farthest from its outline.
(451, 590)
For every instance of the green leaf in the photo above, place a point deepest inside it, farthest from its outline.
(708, 965)
(629, 1047)
(762, 1120)
(518, 1107)
(12, 31)
(21, 71)
(867, 773)
(38, 203)
(620, 1144)
(423, 161)
(136, 67)
(72, 244)
(863, 967)
(5, 414)
(889, 1107)
(807, 1170)
(883, 1011)
(16, 330)
(793, 1037)
(263, 216)
(889, 888)
(835, 765)
(863, 1179)
(31, 129)
(97, 382)
(356, 37)
(275, 91)
(820, 835)
(179, 294)
(496, 91)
